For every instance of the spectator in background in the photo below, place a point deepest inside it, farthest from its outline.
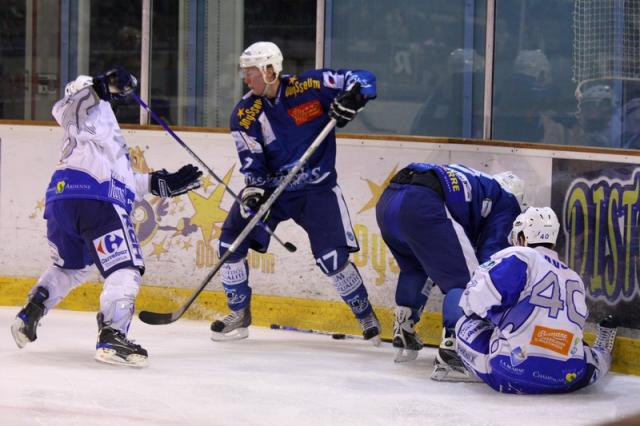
(598, 119)
(523, 112)
(442, 113)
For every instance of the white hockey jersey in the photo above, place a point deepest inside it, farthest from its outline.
(95, 161)
(536, 303)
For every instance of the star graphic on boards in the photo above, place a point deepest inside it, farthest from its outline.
(138, 161)
(158, 249)
(208, 211)
(206, 183)
(376, 190)
(186, 244)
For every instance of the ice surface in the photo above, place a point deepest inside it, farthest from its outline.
(272, 378)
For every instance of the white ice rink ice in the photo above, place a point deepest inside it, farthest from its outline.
(273, 378)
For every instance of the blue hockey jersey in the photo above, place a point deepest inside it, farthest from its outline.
(272, 134)
(478, 203)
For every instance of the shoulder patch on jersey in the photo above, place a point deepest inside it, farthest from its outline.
(246, 116)
(296, 87)
(488, 264)
(306, 112)
(333, 80)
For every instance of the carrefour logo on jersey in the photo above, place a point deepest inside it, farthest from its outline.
(112, 249)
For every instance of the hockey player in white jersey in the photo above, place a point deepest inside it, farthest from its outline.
(87, 208)
(524, 317)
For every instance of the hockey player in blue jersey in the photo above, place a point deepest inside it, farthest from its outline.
(273, 125)
(440, 222)
(524, 317)
(87, 208)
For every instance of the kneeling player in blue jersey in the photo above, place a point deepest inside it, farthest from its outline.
(273, 125)
(524, 317)
(440, 222)
(87, 208)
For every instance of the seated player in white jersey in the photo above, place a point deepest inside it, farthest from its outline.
(525, 312)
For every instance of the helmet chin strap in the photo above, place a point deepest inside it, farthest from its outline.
(267, 84)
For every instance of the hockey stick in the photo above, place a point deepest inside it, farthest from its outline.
(335, 336)
(290, 247)
(167, 318)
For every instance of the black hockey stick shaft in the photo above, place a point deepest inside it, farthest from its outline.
(167, 318)
(287, 245)
(336, 336)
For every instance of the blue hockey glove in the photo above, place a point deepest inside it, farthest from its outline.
(252, 198)
(165, 184)
(346, 106)
(115, 85)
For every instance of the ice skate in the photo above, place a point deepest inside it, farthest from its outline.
(24, 327)
(448, 367)
(371, 328)
(607, 329)
(232, 327)
(405, 339)
(113, 347)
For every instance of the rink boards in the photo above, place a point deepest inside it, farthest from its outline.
(594, 193)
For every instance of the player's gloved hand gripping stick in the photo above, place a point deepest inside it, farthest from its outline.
(287, 245)
(167, 318)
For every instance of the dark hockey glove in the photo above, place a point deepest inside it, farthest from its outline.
(115, 84)
(165, 184)
(252, 198)
(346, 105)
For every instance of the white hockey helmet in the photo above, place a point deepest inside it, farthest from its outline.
(511, 183)
(78, 84)
(538, 225)
(261, 55)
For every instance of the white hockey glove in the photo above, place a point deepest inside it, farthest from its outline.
(165, 184)
(346, 106)
(252, 198)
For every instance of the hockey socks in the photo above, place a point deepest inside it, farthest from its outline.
(349, 284)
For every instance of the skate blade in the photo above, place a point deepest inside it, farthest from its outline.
(445, 373)
(237, 334)
(108, 356)
(19, 337)
(375, 341)
(405, 355)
